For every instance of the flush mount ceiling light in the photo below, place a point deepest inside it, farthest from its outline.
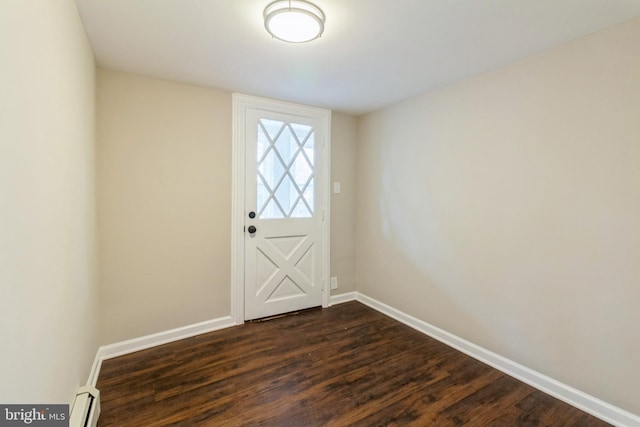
(295, 21)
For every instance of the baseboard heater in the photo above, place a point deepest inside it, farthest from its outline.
(86, 408)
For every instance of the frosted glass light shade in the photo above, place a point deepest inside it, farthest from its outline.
(295, 21)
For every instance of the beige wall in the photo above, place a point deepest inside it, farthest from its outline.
(164, 194)
(48, 307)
(505, 209)
(343, 205)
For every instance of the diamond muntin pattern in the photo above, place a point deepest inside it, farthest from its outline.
(285, 170)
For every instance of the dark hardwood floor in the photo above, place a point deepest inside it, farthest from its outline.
(343, 366)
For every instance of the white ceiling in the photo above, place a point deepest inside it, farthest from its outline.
(373, 52)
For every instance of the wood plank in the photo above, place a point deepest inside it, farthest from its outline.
(343, 366)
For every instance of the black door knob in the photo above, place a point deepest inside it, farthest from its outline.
(251, 229)
(252, 214)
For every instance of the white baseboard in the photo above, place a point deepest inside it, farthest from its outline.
(341, 298)
(153, 340)
(592, 405)
(95, 370)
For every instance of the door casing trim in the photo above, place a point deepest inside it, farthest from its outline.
(240, 103)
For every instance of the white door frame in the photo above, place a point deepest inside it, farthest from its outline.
(240, 104)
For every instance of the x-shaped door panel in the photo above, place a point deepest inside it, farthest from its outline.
(285, 268)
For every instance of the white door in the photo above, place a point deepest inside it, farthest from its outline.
(284, 212)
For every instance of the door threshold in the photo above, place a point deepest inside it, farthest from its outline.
(278, 316)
